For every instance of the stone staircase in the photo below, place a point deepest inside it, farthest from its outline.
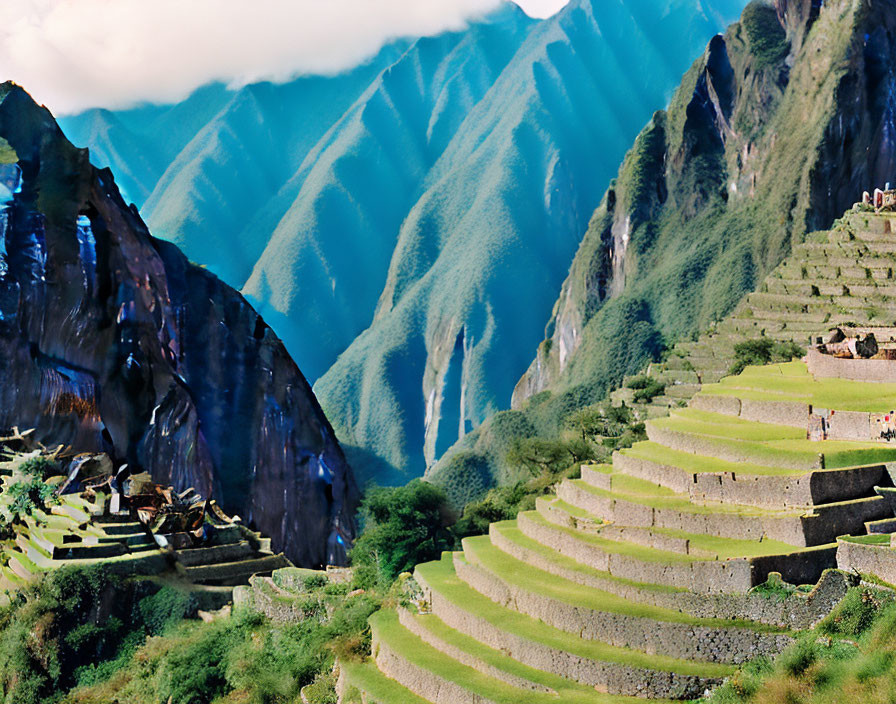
(80, 530)
(844, 276)
(654, 576)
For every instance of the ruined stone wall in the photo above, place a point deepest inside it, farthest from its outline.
(872, 370)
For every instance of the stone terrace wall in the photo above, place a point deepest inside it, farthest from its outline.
(873, 370)
(678, 640)
(879, 560)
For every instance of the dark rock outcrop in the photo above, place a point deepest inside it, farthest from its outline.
(111, 340)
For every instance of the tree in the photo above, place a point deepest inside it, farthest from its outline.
(589, 421)
(541, 456)
(404, 526)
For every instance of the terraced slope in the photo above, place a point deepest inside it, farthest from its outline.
(80, 529)
(842, 276)
(640, 578)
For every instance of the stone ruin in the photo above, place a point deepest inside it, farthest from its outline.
(87, 511)
(881, 200)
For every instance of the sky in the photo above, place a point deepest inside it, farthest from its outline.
(76, 54)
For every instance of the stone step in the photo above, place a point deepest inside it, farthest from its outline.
(437, 677)
(538, 645)
(759, 443)
(639, 503)
(232, 573)
(214, 554)
(712, 480)
(676, 559)
(605, 617)
(794, 611)
(114, 528)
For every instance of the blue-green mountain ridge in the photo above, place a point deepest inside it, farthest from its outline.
(406, 226)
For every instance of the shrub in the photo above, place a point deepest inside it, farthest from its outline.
(855, 613)
(28, 496)
(39, 467)
(799, 657)
(767, 38)
(763, 351)
(404, 526)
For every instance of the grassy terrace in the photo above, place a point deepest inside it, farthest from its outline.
(792, 382)
(511, 571)
(779, 445)
(566, 689)
(387, 629)
(698, 464)
(511, 532)
(720, 548)
(706, 423)
(574, 510)
(638, 491)
(379, 688)
(874, 539)
(442, 578)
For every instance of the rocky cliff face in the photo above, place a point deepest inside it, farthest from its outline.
(774, 132)
(111, 340)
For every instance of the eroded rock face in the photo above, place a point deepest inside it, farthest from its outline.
(110, 340)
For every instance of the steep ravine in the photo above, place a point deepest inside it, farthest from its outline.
(111, 340)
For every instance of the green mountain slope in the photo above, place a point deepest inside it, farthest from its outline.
(774, 132)
(418, 213)
(478, 257)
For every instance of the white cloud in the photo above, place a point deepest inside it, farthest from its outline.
(74, 54)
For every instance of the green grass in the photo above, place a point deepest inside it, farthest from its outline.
(720, 548)
(508, 569)
(379, 688)
(443, 579)
(664, 498)
(699, 464)
(574, 511)
(511, 532)
(387, 629)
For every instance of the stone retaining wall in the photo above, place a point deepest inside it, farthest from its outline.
(705, 576)
(596, 478)
(787, 529)
(796, 611)
(874, 370)
(607, 677)
(879, 560)
(421, 682)
(679, 640)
